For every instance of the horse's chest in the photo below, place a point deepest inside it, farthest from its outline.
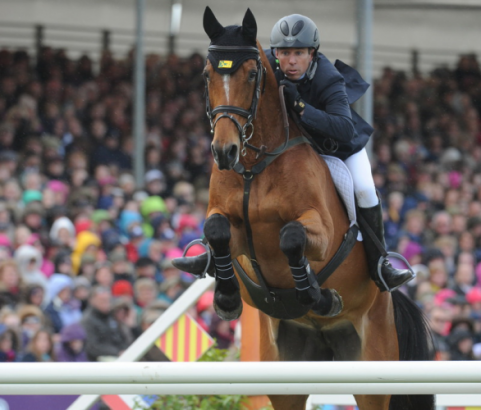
(259, 209)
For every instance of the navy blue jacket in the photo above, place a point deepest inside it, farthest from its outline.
(328, 114)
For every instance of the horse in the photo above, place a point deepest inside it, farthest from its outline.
(274, 212)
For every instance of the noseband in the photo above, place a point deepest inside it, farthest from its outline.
(227, 110)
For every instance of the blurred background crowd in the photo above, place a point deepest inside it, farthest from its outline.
(86, 254)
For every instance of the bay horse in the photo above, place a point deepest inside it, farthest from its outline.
(272, 207)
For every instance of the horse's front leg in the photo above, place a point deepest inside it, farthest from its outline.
(301, 237)
(227, 300)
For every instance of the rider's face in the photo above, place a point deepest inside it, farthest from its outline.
(294, 62)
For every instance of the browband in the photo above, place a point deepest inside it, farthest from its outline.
(233, 49)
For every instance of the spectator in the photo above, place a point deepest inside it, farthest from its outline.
(463, 279)
(63, 231)
(145, 268)
(9, 344)
(123, 289)
(124, 313)
(103, 274)
(461, 345)
(87, 243)
(439, 323)
(29, 261)
(171, 288)
(104, 336)
(121, 267)
(40, 348)
(63, 309)
(34, 295)
(81, 291)
(10, 284)
(31, 320)
(72, 344)
(47, 267)
(146, 292)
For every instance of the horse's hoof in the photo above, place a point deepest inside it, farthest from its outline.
(228, 315)
(330, 305)
(227, 299)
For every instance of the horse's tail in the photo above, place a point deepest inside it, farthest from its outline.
(414, 339)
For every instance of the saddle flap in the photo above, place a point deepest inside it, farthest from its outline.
(345, 187)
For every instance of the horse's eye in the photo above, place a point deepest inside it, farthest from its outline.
(252, 75)
(206, 75)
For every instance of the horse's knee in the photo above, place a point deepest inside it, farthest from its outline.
(293, 242)
(217, 232)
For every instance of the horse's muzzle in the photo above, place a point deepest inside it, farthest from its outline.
(226, 156)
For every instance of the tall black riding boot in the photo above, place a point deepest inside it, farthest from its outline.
(393, 278)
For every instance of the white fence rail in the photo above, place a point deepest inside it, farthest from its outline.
(250, 378)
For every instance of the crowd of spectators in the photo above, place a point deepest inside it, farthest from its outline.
(426, 165)
(86, 254)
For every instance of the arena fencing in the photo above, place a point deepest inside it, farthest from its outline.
(125, 376)
(250, 378)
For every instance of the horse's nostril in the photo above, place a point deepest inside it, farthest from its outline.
(232, 154)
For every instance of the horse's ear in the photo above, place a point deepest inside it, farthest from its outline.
(211, 26)
(249, 26)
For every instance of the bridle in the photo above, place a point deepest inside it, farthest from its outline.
(226, 111)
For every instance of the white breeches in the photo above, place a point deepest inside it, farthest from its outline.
(364, 188)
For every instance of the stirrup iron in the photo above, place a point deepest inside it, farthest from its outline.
(381, 262)
(198, 265)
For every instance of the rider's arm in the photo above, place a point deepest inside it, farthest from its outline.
(335, 120)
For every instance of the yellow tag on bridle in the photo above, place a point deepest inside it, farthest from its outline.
(225, 64)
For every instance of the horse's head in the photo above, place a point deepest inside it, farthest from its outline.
(233, 75)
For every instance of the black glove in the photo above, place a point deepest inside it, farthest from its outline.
(293, 98)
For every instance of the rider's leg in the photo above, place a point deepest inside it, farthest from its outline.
(371, 210)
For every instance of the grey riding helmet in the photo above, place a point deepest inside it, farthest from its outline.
(295, 31)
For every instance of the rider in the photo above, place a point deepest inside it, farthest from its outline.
(317, 92)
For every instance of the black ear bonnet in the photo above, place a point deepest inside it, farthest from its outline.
(227, 62)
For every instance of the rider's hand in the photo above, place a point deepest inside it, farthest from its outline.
(293, 98)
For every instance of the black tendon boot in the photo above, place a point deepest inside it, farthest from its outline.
(227, 299)
(307, 288)
(393, 278)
